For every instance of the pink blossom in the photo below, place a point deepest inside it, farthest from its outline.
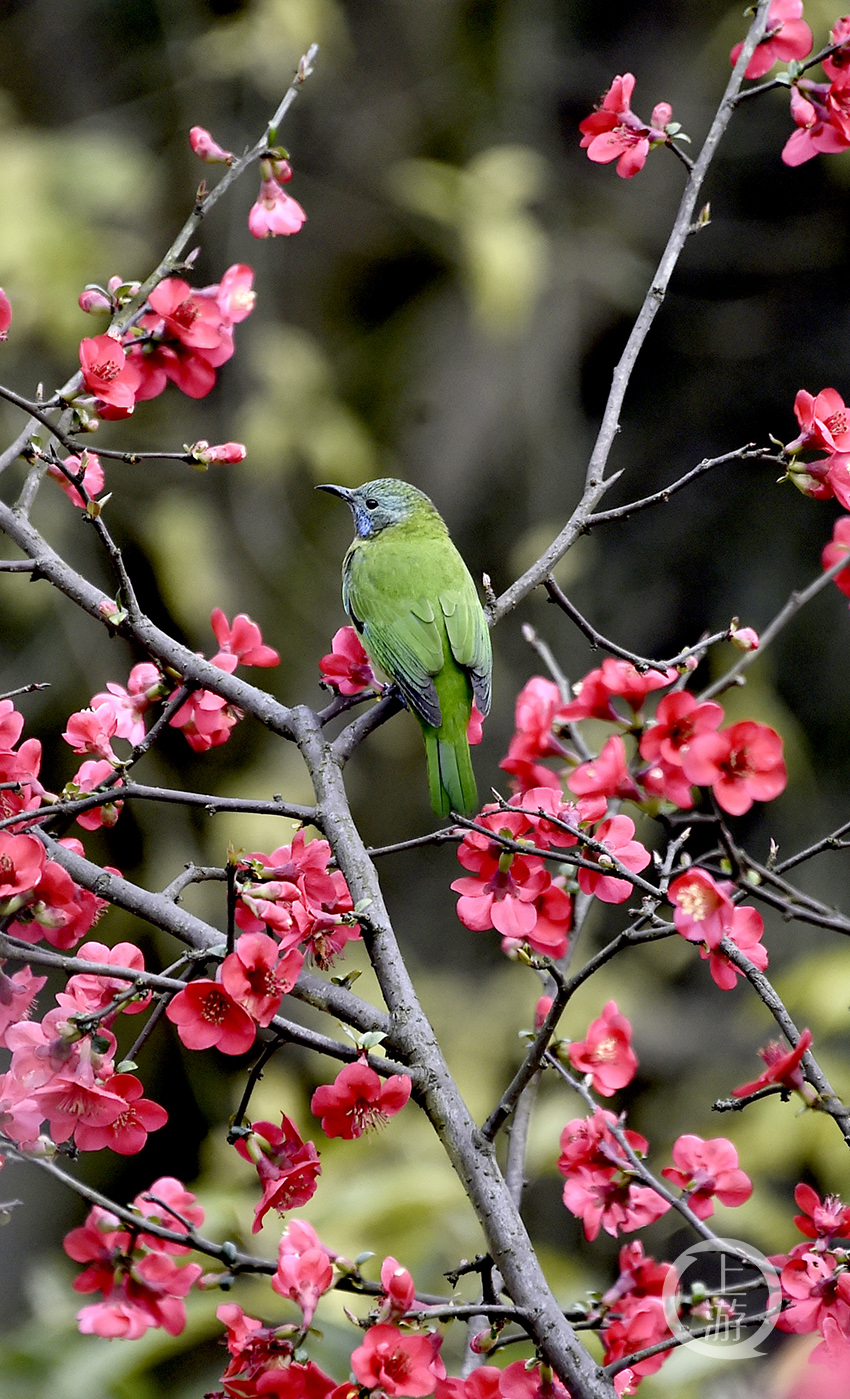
(144, 686)
(741, 764)
(678, 719)
(706, 1168)
(206, 720)
(782, 1067)
(346, 667)
(400, 1362)
(92, 477)
(832, 552)
(234, 293)
(257, 975)
(786, 37)
(703, 908)
(745, 931)
(606, 775)
(616, 835)
(127, 1133)
(242, 640)
(192, 319)
(824, 421)
(274, 212)
(207, 149)
(206, 1014)
(108, 374)
(287, 1166)
(303, 1277)
(22, 860)
(5, 315)
(358, 1100)
(606, 1053)
(613, 132)
(88, 777)
(91, 731)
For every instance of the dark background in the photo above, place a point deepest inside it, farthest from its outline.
(451, 313)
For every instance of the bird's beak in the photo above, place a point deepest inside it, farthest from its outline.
(341, 491)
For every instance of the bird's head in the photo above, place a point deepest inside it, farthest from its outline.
(378, 504)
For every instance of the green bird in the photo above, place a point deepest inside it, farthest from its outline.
(411, 597)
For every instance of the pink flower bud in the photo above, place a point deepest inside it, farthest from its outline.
(282, 171)
(5, 314)
(662, 113)
(93, 301)
(207, 149)
(745, 638)
(113, 284)
(225, 452)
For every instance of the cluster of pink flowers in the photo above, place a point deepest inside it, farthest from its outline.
(184, 338)
(600, 1188)
(60, 1076)
(633, 1315)
(814, 1277)
(682, 747)
(142, 1284)
(821, 111)
(613, 132)
(246, 993)
(705, 914)
(391, 1361)
(205, 719)
(293, 895)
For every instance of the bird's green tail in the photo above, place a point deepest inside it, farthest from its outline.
(450, 775)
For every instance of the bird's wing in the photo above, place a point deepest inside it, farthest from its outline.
(401, 634)
(469, 638)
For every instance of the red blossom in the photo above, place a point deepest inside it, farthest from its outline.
(108, 374)
(243, 640)
(358, 1100)
(741, 764)
(22, 860)
(616, 835)
(703, 908)
(707, 1168)
(399, 1362)
(206, 1014)
(206, 720)
(786, 37)
(127, 1133)
(606, 1052)
(839, 547)
(678, 719)
(286, 1165)
(599, 1186)
(539, 708)
(613, 132)
(257, 975)
(346, 667)
(92, 477)
(783, 1067)
(606, 775)
(745, 931)
(192, 319)
(825, 1220)
(824, 422)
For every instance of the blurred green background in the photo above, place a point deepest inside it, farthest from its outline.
(450, 313)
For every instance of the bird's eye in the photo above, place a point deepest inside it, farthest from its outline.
(371, 503)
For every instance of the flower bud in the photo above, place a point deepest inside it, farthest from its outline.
(207, 149)
(93, 300)
(745, 638)
(229, 452)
